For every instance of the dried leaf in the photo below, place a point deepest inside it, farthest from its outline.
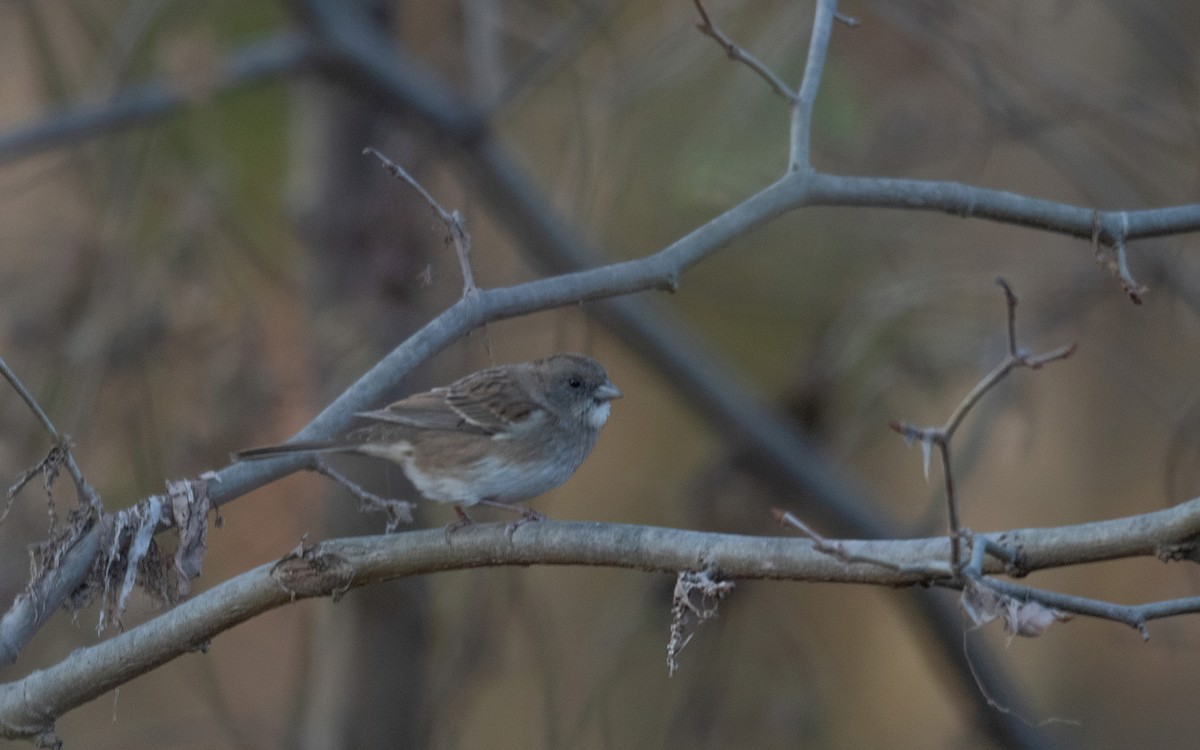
(189, 507)
(146, 515)
(982, 604)
(1026, 618)
(697, 593)
(1030, 619)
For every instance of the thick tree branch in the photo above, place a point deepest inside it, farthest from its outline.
(29, 707)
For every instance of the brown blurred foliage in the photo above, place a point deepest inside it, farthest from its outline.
(208, 281)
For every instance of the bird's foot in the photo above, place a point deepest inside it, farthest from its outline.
(528, 515)
(463, 520)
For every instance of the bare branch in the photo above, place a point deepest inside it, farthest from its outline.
(31, 705)
(397, 511)
(456, 231)
(940, 437)
(800, 158)
(959, 199)
(802, 100)
(739, 54)
(838, 547)
(86, 493)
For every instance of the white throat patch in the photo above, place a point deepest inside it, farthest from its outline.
(599, 415)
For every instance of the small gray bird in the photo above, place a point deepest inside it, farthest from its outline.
(495, 437)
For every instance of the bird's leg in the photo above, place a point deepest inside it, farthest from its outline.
(527, 515)
(463, 520)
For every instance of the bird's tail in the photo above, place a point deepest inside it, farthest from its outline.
(271, 451)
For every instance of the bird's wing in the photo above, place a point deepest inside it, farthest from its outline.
(495, 400)
(487, 402)
(426, 411)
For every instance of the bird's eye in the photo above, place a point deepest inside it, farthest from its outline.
(575, 382)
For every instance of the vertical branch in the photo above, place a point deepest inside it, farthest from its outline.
(806, 96)
(1010, 299)
(951, 506)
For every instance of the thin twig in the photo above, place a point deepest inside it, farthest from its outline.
(802, 99)
(29, 400)
(1010, 301)
(739, 54)
(86, 493)
(1134, 615)
(941, 436)
(398, 511)
(943, 444)
(840, 548)
(456, 231)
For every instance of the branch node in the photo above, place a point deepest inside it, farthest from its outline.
(1118, 264)
(308, 571)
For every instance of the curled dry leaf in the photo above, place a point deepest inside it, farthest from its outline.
(132, 556)
(1027, 618)
(189, 508)
(697, 593)
(131, 542)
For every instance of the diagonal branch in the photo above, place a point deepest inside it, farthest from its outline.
(281, 55)
(86, 493)
(738, 53)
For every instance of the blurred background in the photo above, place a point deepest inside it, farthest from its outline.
(207, 278)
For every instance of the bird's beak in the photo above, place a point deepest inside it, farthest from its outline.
(607, 392)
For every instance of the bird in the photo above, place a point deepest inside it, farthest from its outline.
(496, 437)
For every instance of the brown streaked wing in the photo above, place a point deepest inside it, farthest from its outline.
(426, 411)
(492, 399)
